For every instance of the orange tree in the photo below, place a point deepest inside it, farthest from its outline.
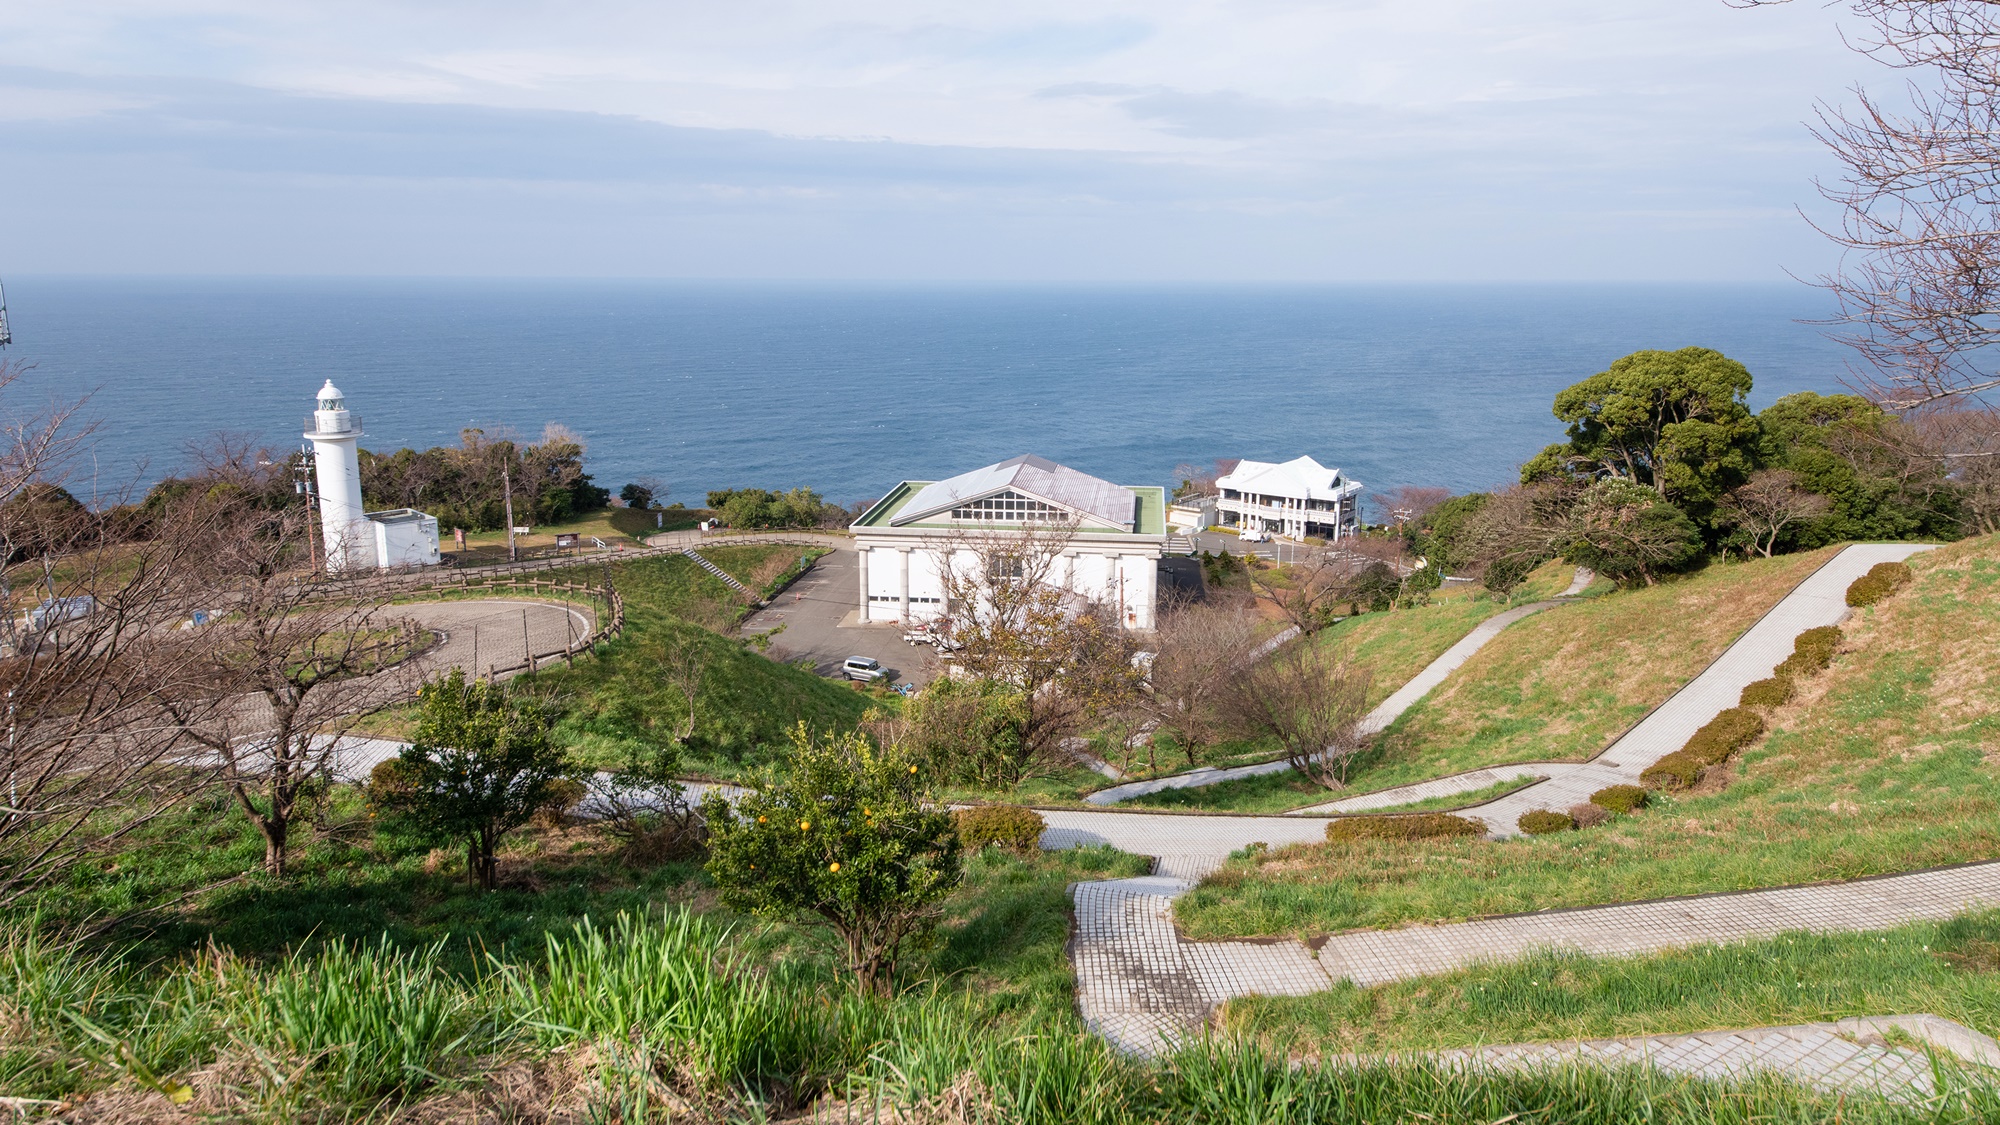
(845, 838)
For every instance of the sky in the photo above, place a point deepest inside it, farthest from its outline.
(1073, 141)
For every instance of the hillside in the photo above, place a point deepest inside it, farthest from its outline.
(619, 698)
(1889, 761)
(1564, 684)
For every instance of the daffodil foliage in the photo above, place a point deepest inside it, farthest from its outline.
(845, 837)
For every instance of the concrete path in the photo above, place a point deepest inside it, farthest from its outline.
(1819, 600)
(1850, 1055)
(1140, 984)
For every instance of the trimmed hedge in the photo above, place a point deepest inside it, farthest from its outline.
(1414, 826)
(1773, 692)
(1017, 829)
(1589, 815)
(1724, 735)
(1881, 580)
(1677, 770)
(1619, 798)
(1542, 822)
(1811, 652)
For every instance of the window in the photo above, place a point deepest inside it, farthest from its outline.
(1005, 566)
(1007, 507)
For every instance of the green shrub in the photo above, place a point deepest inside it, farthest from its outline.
(1811, 652)
(1724, 735)
(1620, 798)
(1417, 826)
(1824, 639)
(371, 1018)
(1677, 770)
(1017, 829)
(845, 837)
(1773, 692)
(1542, 822)
(1588, 815)
(1881, 580)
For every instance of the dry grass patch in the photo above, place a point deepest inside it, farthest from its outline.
(1862, 774)
(1566, 683)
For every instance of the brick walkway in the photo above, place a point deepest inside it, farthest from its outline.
(1849, 1055)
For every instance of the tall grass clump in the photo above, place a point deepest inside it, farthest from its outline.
(671, 983)
(369, 1020)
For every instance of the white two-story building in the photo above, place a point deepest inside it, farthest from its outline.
(1111, 557)
(1296, 498)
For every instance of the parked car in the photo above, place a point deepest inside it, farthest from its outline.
(867, 669)
(55, 611)
(1252, 535)
(919, 635)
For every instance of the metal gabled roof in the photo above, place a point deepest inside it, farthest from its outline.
(1038, 477)
(1300, 476)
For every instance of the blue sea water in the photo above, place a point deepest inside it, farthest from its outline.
(850, 388)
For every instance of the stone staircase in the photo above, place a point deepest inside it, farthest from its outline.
(710, 567)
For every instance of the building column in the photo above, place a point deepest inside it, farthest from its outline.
(862, 553)
(903, 580)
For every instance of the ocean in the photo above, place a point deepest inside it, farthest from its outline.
(850, 388)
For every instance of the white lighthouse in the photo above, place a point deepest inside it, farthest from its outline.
(357, 539)
(336, 437)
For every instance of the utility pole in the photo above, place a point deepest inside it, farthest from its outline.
(507, 489)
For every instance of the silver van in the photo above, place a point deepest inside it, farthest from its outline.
(867, 669)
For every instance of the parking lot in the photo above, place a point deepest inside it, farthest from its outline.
(817, 618)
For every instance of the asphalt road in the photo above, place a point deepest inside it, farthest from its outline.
(806, 622)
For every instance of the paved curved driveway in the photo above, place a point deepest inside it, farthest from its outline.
(487, 633)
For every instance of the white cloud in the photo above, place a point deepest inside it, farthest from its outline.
(1355, 118)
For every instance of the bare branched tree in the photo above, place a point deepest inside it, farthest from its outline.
(1311, 699)
(1408, 502)
(1013, 617)
(1310, 589)
(1968, 444)
(291, 656)
(1768, 503)
(1919, 290)
(91, 751)
(1198, 650)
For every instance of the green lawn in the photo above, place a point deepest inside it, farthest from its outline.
(1395, 645)
(1951, 969)
(1884, 763)
(748, 704)
(1565, 683)
(1265, 793)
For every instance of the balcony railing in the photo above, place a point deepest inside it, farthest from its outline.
(1255, 508)
(312, 425)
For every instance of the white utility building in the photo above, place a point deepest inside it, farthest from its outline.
(1297, 498)
(357, 539)
(1111, 558)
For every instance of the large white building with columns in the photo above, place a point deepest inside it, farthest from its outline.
(1111, 558)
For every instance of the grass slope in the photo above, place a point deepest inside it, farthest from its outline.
(1565, 683)
(1888, 761)
(747, 703)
